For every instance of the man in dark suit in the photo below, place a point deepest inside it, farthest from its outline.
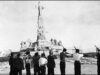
(51, 63)
(35, 60)
(11, 63)
(18, 65)
(63, 55)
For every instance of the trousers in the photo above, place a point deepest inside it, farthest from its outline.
(77, 68)
(62, 68)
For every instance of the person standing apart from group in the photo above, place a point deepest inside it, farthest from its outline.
(77, 64)
(98, 61)
(42, 64)
(51, 63)
(63, 55)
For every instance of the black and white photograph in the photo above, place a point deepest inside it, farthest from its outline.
(49, 37)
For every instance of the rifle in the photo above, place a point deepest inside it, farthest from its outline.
(96, 48)
(78, 49)
(75, 47)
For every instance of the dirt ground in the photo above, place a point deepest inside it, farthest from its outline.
(85, 69)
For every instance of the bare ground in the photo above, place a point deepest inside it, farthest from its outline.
(85, 69)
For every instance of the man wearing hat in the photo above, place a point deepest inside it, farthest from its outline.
(77, 64)
(63, 55)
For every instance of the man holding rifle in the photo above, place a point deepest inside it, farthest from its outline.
(63, 55)
(98, 60)
(77, 64)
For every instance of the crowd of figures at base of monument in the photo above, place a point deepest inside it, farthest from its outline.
(40, 63)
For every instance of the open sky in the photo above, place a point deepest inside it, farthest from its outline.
(73, 22)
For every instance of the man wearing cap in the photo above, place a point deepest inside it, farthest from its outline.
(63, 55)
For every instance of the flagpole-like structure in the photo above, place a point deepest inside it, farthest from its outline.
(40, 28)
(38, 13)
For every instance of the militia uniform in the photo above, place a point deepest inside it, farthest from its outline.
(77, 64)
(28, 65)
(36, 64)
(11, 61)
(42, 64)
(19, 66)
(98, 62)
(51, 65)
(63, 55)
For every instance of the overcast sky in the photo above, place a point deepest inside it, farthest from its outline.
(73, 22)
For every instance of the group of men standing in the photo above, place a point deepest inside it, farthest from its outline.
(16, 64)
(39, 63)
(77, 57)
(77, 61)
